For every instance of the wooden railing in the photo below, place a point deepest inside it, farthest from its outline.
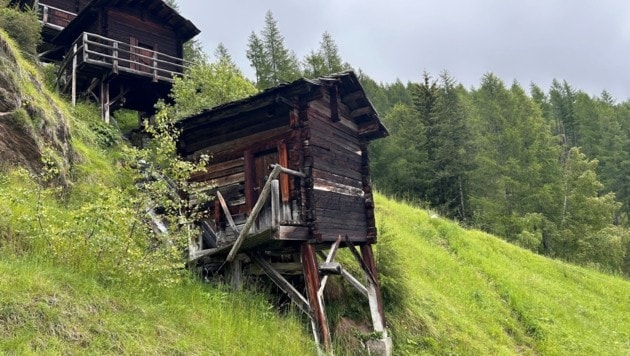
(271, 188)
(270, 191)
(98, 50)
(54, 17)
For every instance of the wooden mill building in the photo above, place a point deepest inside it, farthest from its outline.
(290, 176)
(123, 53)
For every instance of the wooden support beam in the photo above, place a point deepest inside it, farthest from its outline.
(334, 103)
(105, 106)
(362, 111)
(283, 160)
(236, 274)
(329, 259)
(313, 283)
(275, 203)
(374, 291)
(283, 284)
(115, 55)
(250, 179)
(361, 262)
(74, 74)
(287, 268)
(226, 211)
(354, 282)
(352, 97)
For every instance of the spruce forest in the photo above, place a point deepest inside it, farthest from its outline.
(547, 169)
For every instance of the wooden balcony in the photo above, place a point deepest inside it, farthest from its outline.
(92, 55)
(54, 18)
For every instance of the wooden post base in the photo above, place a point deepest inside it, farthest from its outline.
(316, 301)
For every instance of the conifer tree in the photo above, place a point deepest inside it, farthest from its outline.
(259, 61)
(326, 60)
(451, 151)
(273, 62)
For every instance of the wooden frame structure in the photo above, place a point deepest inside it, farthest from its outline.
(288, 179)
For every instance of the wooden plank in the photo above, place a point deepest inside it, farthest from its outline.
(362, 111)
(316, 302)
(275, 202)
(283, 284)
(213, 172)
(226, 211)
(334, 104)
(354, 282)
(293, 233)
(329, 235)
(227, 180)
(234, 149)
(283, 160)
(250, 180)
(289, 268)
(255, 211)
(374, 291)
(319, 174)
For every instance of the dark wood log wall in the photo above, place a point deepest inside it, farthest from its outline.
(239, 167)
(338, 172)
(145, 28)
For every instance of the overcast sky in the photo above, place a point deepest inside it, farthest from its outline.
(586, 42)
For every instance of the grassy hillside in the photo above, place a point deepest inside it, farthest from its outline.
(466, 292)
(55, 311)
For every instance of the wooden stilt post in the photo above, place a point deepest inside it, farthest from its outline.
(313, 282)
(105, 111)
(236, 274)
(74, 74)
(374, 290)
(384, 345)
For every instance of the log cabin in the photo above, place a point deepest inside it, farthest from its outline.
(289, 176)
(123, 53)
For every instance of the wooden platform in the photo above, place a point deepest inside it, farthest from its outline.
(272, 238)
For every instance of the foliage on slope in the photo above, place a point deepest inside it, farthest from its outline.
(449, 290)
(79, 271)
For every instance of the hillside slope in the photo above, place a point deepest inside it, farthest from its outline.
(466, 292)
(44, 309)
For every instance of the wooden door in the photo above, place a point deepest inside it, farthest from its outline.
(257, 171)
(262, 161)
(141, 56)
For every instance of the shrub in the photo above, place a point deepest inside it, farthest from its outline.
(22, 26)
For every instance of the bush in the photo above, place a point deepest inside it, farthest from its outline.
(22, 26)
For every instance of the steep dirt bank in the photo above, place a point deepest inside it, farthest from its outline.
(34, 129)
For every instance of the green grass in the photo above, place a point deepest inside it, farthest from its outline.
(471, 293)
(46, 309)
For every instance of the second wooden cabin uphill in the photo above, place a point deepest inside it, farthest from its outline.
(123, 53)
(290, 176)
